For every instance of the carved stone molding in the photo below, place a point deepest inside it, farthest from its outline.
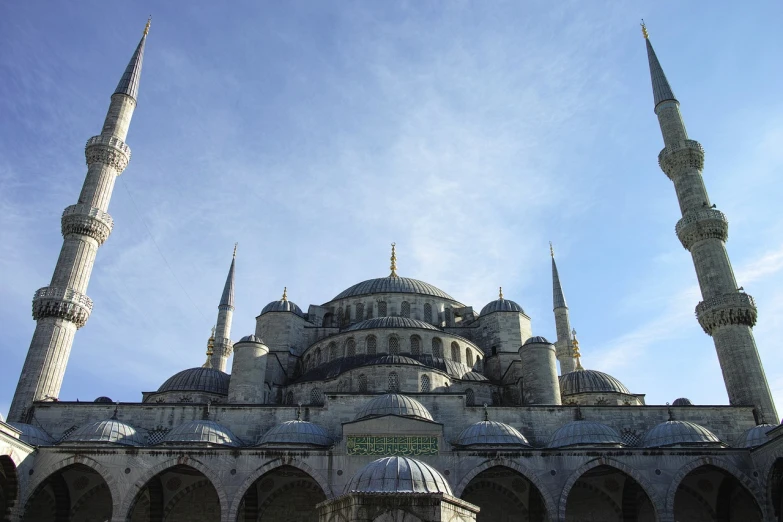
(108, 150)
(685, 155)
(63, 303)
(727, 309)
(88, 221)
(701, 224)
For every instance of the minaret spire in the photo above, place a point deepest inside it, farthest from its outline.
(222, 335)
(563, 347)
(726, 312)
(63, 307)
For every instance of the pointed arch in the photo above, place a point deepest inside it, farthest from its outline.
(9, 486)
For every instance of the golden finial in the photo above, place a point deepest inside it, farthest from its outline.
(210, 349)
(551, 250)
(235, 249)
(577, 355)
(644, 30)
(393, 261)
(486, 412)
(285, 293)
(500, 293)
(147, 27)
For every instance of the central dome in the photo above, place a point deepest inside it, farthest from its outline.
(398, 475)
(394, 404)
(393, 285)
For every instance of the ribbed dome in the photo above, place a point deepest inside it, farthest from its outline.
(394, 404)
(755, 436)
(391, 322)
(398, 475)
(32, 435)
(676, 433)
(501, 305)
(251, 339)
(396, 359)
(297, 432)
(392, 285)
(584, 433)
(112, 431)
(583, 381)
(490, 433)
(103, 400)
(282, 306)
(682, 401)
(536, 340)
(473, 376)
(198, 379)
(202, 431)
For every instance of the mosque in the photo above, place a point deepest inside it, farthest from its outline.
(393, 401)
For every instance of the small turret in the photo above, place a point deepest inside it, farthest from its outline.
(248, 371)
(539, 372)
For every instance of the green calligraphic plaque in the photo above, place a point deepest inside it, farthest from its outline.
(402, 446)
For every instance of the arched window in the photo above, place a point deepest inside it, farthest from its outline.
(289, 398)
(381, 308)
(415, 345)
(347, 316)
(468, 358)
(316, 397)
(328, 320)
(470, 397)
(447, 316)
(307, 362)
(479, 364)
(425, 383)
(394, 345)
(369, 312)
(405, 309)
(340, 315)
(332, 351)
(427, 313)
(496, 400)
(350, 348)
(372, 345)
(455, 352)
(362, 383)
(318, 356)
(394, 382)
(360, 311)
(437, 347)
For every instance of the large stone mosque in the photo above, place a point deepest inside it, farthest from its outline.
(394, 401)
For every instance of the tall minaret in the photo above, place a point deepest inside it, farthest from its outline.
(223, 345)
(563, 346)
(726, 313)
(63, 307)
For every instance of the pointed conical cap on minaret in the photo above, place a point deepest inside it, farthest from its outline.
(662, 91)
(558, 299)
(227, 299)
(129, 83)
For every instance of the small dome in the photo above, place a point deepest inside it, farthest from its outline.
(536, 340)
(584, 433)
(251, 339)
(111, 430)
(283, 305)
(501, 305)
(396, 359)
(398, 475)
(585, 381)
(297, 432)
(490, 433)
(682, 401)
(679, 433)
(392, 285)
(207, 380)
(202, 431)
(103, 400)
(32, 435)
(473, 376)
(394, 404)
(755, 436)
(391, 322)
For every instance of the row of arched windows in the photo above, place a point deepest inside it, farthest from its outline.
(359, 312)
(317, 396)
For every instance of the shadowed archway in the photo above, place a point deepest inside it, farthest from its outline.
(709, 493)
(75, 493)
(9, 486)
(504, 495)
(608, 494)
(283, 494)
(180, 493)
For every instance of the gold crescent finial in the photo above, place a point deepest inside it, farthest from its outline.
(285, 293)
(551, 250)
(644, 30)
(147, 27)
(235, 249)
(500, 292)
(577, 355)
(210, 349)
(393, 261)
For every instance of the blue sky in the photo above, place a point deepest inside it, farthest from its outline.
(316, 133)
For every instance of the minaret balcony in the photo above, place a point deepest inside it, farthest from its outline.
(87, 221)
(109, 150)
(681, 157)
(697, 225)
(736, 308)
(63, 303)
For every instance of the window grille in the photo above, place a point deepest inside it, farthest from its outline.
(332, 352)
(415, 345)
(405, 309)
(630, 437)
(468, 358)
(340, 315)
(470, 397)
(157, 435)
(425, 383)
(289, 398)
(455, 352)
(362, 383)
(428, 313)
(394, 382)
(447, 316)
(372, 345)
(350, 348)
(394, 345)
(347, 316)
(316, 397)
(369, 312)
(359, 311)
(437, 347)
(496, 401)
(381, 308)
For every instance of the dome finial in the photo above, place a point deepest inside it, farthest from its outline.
(577, 355)
(285, 294)
(393, 261)
(147, 27)
(299, 412)
(644, 30)
(671, 413)
(210, 349)
(551, 250)
(235, 249)
(500, 292)
(116, 409)
(486, 412)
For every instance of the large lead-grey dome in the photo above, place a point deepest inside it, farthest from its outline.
(398, 475)
(392, 285)
(394, 404)
(755, 436)
(391, 322)
(202, 431)
(679, 433)
(491, 433)
(107, 431)
(32, 435)
(585, 381)
(584, 433)
(297, 432)
(501, 305)
(208, 380)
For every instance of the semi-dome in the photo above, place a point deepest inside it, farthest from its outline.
(584, 433)
(392, 285)
(110, 431)
(394, 404)
(491, 433)
(32, 435)
(398, 475)
(202, 431)
(755, 436)
(283, 305)
(396, 360)
(682, 401)
(473, 376)
(586, 381)
(501, 305)
(251, 339)
(391, 322)
(103, 400)
(536, 340)
(201, 379)
(297, 432)
(679, 433)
